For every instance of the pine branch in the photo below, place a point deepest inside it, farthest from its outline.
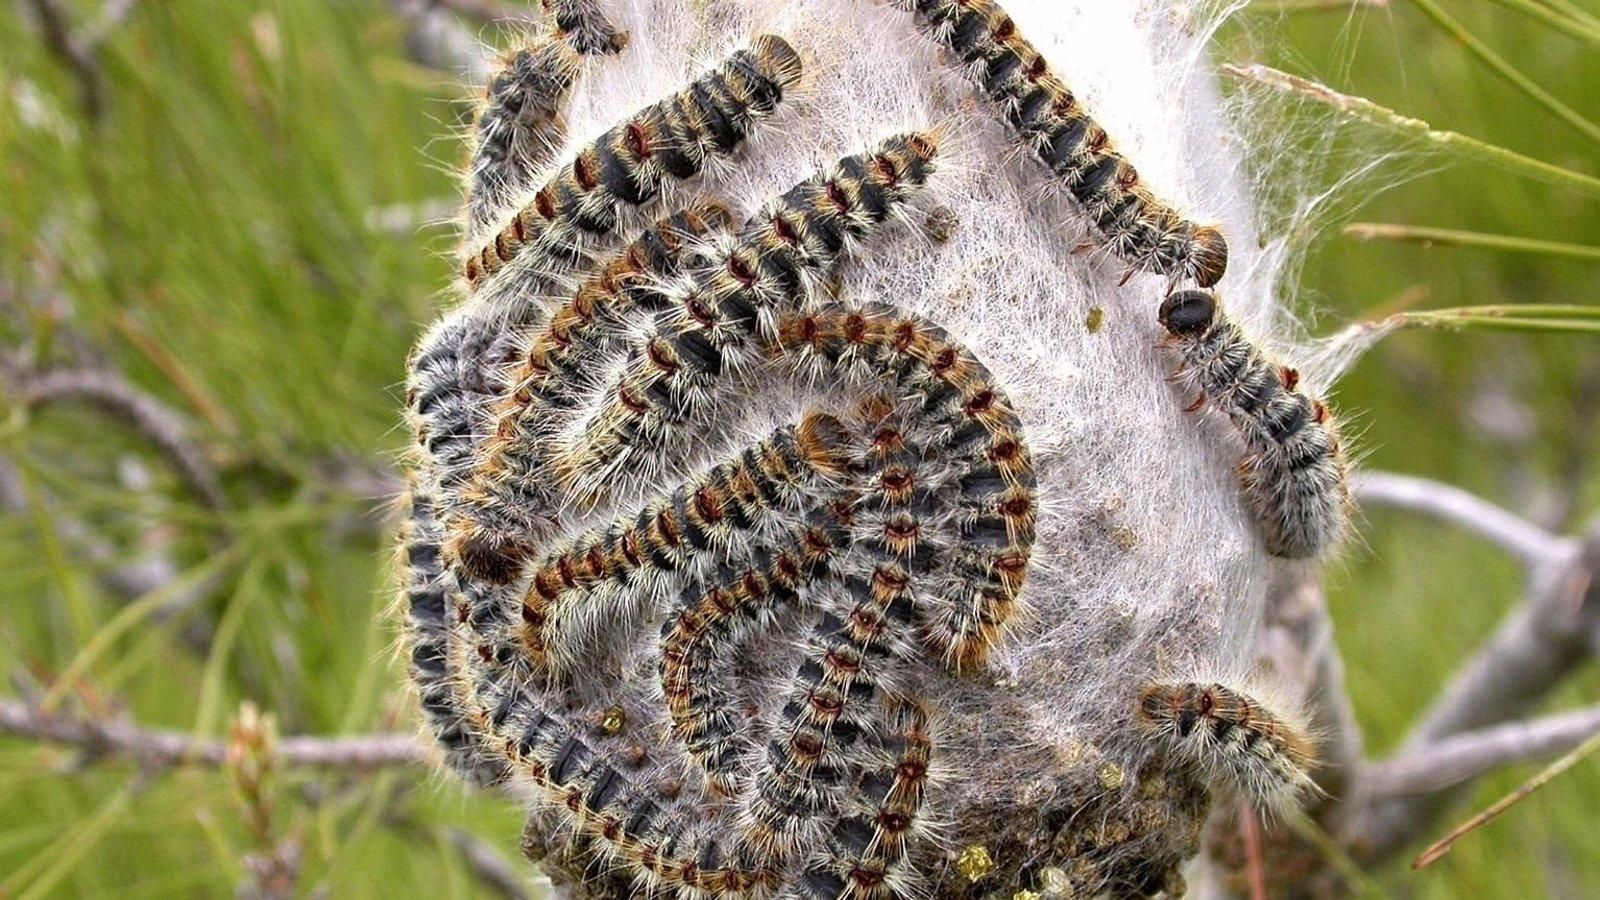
(154, 420)
(1546, 639)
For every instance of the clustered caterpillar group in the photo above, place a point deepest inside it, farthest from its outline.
(1138, 227)
(1264, 755)
(710, 642)
(1294, 472)
(899, 528)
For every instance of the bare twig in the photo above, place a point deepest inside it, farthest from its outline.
(152, 418)
(1543, 641)
(490, 868)
(1550, 773)
(1451, 237)
(161, 749)
(1297, 646)
(1530, 543)
(1463, 757)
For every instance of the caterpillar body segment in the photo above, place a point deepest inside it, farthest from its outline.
(858, 658)
(679, 537)
(451, 382)
(706, 337)
(1236, 741)
(867, 853)
(1294, 472)
(509, 473)
(627, 165)
(582, 24)
(624, 815)
(518, 127)
(971, 462)
(1139, 228)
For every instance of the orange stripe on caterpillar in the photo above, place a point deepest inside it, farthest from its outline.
(1236, 741)
(627, 165)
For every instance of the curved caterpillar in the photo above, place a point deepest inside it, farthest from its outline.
(1139, 228)
(1235, 740)
(1294, 472)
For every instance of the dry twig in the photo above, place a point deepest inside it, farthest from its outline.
(161, 749)
(1544, 640)
(150, 417)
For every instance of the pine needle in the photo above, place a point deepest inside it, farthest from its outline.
(1417, 234)
(1464, 147)
(1441, 847)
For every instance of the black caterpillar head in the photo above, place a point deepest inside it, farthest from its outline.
(1189, 313)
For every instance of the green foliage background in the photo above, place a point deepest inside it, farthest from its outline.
(211, 237)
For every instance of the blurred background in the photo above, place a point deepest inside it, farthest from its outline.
(222, 225)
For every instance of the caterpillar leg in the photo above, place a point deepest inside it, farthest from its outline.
(674, 139)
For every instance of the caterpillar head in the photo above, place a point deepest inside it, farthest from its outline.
(1208, 258)
(1189, 313)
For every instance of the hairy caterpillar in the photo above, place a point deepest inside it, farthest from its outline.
(1294, 472)
(519, 122)
(1138, 227)
(1262, 754)
(506, 476)
(705, 335)
(673, 138)
(425, 596)
(705, 520)
(581, 23)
